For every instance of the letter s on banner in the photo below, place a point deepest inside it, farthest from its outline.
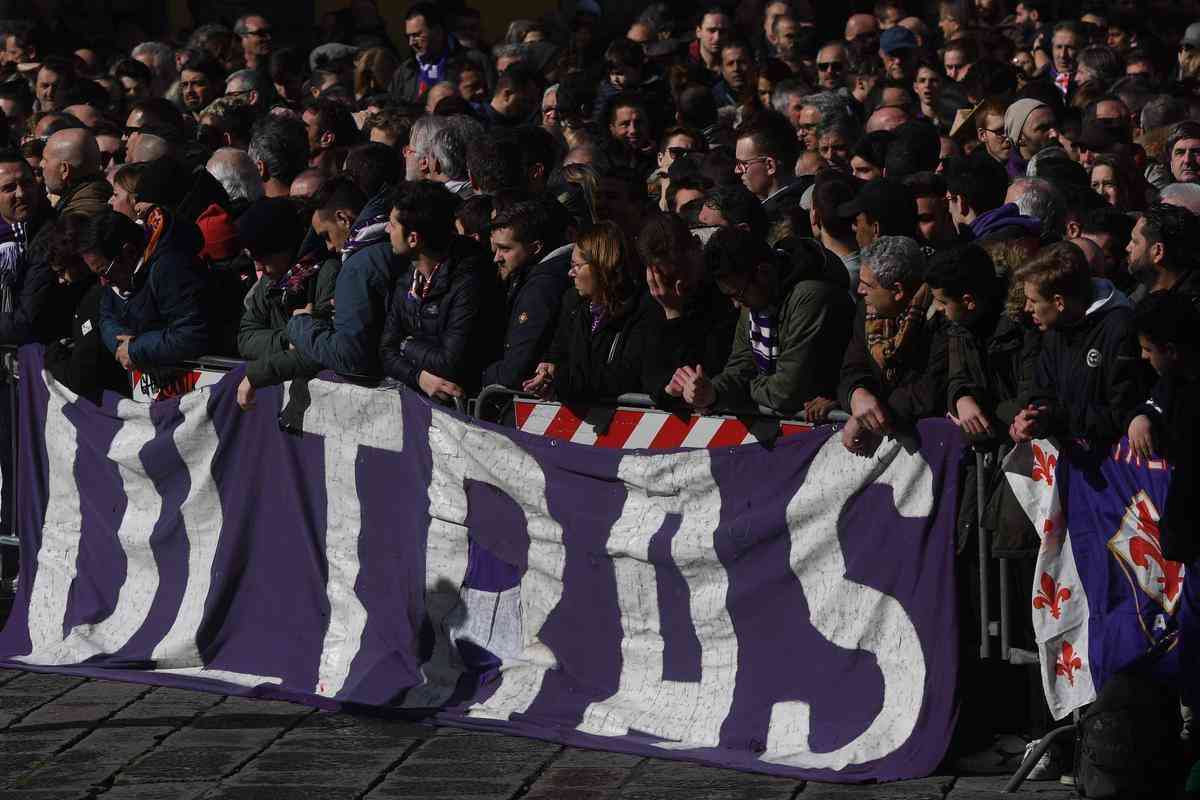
(689, 713)
(847, 613)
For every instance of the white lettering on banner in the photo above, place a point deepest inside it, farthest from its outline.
(349, 417)
(142, 509)
(689, 713)
(847, 613)
(462, 451)
(196, 440)
(59, 551)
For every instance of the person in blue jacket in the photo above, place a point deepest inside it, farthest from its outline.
(154, 315)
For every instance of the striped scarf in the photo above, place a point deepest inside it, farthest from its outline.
(764, 341)
(13, 244)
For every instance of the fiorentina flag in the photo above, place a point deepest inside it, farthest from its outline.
(1104, 597)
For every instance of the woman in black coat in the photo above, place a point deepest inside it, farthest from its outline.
(598, 348)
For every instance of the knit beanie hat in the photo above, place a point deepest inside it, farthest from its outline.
(221, 240)
(1016, 116)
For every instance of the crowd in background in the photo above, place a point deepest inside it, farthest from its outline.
(941, 208)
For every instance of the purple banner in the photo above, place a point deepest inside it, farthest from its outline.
(786, 609)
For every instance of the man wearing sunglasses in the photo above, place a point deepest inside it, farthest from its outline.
(256, 35)
(831, 66)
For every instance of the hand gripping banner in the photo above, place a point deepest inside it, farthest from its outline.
(788, 610)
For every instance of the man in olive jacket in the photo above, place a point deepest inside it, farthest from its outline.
(272, 232)
(794, 325)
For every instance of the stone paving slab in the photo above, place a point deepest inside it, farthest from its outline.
(66, 738)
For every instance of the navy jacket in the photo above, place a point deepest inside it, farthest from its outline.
(165, 311)
(452, 331)
(534, 298)
(349, 344)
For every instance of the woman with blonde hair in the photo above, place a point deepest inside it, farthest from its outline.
(373, 70)
(598, 348)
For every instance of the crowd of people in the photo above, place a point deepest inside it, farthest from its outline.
(942, 208)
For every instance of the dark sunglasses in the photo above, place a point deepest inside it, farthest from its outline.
(107, 158)
(830, 66)
(679, 152)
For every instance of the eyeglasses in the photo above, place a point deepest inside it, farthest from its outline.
(830, 66)
(238, 94)
(679, 152)
(262, 33)
(998, 132)
(741, 166)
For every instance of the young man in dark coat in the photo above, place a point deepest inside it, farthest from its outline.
(444, 322)
(532, 262)
(894, 371)
(794, 324)
(1089, 376)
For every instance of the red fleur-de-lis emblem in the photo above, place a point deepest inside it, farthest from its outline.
(1067, 663)
(1043, 467)
(1147, 547)
(1051, 596)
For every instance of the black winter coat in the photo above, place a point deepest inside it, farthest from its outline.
(594, 366)
(79, 360)
(454, 330)
(1090, 374)
(994, 361)
(702, 335)
(535, 296)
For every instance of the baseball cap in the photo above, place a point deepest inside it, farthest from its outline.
(888, 202)
(897, 38)
(1192, 34)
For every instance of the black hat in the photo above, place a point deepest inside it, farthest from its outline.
(888, 202)
(270, 225)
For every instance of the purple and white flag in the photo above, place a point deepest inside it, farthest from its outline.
(786, 609)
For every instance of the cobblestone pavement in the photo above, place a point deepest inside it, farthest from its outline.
(66, 738)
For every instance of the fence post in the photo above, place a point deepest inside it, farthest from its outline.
(985, 641)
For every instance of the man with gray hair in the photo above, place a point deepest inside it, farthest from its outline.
(160, 59)
(447, 155)
(1183, 151)
(418, 154)
(1040, 199)
(1184, 195)
(279, 149)
(250, 88)
(894, 371)
(815, 109)
(235, 170)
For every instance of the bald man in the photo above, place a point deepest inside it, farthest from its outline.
(307, 183)
(71, 170)
(886, 118)
(861, 25)
(148, 147)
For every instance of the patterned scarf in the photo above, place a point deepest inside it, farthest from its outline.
(13, 244)
(294, 282)
(598, 316)
(890, 340)
(368, 232)
(764, 340)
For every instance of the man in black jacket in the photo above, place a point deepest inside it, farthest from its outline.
(433, 46)
(1089, 377)
(533, 263)
(441, 325)
(1163, 250)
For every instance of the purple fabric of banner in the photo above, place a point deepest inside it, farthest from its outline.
(788, 610)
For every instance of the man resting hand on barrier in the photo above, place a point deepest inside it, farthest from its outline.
(795, 320)
(894, 371)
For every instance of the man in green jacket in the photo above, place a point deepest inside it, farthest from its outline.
(795, 322)
(290, 283)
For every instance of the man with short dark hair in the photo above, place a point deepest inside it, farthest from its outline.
(975, 189)
(331, 131)
(433, 46)
(54, 78)
(200, 82)
(1164, 249)
(515, 98)
(442, 326)
(795, 315)
(934, 224)
(714, 26)
(883, 207)
(532, 262)
(1088, 377)
(766, 153)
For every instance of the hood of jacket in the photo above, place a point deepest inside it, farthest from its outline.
(1006, 216)
(1105, 297)
(809, 260)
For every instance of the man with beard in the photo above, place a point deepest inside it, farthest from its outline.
(1163, 250)
(24, 285)
(200, 82)
(832, 62)
(1030, 125)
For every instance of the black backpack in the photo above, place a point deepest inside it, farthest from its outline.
(1128, 741)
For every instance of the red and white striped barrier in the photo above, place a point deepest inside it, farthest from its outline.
(638, 428)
